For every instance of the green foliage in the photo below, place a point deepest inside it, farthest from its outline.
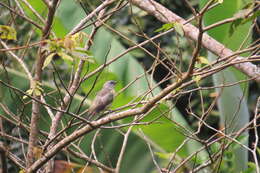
(177, 26)
(165, 134)
(228, 102)
(67, 48)
(35, 90)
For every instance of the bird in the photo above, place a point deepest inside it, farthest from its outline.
(103, 99)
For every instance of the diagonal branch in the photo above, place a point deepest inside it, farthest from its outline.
(167, 16)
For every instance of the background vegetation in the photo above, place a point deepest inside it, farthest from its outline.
(187, 93)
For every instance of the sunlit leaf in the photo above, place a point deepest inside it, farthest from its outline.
(198, 65)
(179, 28)
(37, 92)
(48, 60)
(7, 32)
(203, 60)
(22, 171)
(164, 155)
(197, 78)
(78, 38)
(68, 43)
(29, 92)
(165, 27)
(65, 56)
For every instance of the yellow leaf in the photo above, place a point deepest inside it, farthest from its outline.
(37, 92)
(78, 38)
(7, 32)
(22, 171)
(37, 152)
(48, 60)
(203, 60)
(65, 56)
(29, 92)
(197, 78)
(69, 43)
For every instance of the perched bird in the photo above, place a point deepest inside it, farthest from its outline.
(103, 99)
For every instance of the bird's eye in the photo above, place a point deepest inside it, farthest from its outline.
(112, 82)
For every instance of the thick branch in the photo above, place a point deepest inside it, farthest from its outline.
(35, 105)
(167, 16)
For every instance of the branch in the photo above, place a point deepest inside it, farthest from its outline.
(20, 61)
(37, 77)
(167, 16)
(88, 17)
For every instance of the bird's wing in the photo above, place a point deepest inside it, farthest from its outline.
(101, 101)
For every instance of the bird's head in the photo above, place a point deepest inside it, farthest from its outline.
(110, 84)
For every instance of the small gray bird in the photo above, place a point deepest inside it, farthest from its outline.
(103, 99)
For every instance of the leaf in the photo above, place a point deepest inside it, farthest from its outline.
(29, 92)
(87, 52)
(78, 38)
(48, 60)
(37, 92)
(22, 171)
(65, 56)
(165, 27)
(197, 78)
(203, 60)
(7, 32)
(179, 28)
(251, 18)
(69, 43)
(220, 1)
(164, 155)
(198, 65)
(258, 150)
(234, 25)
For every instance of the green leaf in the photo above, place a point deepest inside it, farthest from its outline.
(176, 25)
(258, 150)
(164, 155)
(198, 65)
(48, 60)
(7, 32)
(251, 18)
(165, 27)
(86, 52)
(234, 25)
(251, 168)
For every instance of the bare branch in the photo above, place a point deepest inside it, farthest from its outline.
(167, 16)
